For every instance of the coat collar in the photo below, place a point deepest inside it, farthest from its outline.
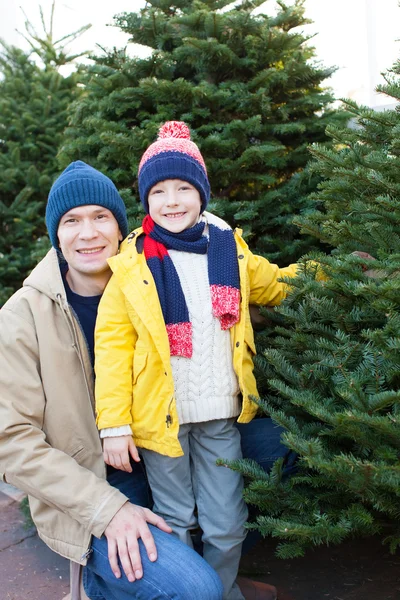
(46, 277)
(138, 286)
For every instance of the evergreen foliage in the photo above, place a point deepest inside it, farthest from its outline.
(34, 98)
(250, 91)
(330, 368)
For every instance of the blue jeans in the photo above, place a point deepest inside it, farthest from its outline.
(178, 573)
(261, 441)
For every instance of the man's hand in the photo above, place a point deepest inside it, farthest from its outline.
(116, 451)
(126, 527)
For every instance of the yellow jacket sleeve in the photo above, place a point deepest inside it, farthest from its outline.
(115, 339)
(265, 287)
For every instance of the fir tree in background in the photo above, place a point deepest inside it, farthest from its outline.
(250, 91)
(330, 371)
(34, 98)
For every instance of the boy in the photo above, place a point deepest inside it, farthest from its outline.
(174, 348)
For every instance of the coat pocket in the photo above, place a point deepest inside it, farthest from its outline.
(249, 339)
(139, 364)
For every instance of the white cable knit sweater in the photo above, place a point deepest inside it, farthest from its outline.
(206, 386)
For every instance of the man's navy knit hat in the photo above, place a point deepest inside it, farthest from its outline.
(173, 156)
(80, 184)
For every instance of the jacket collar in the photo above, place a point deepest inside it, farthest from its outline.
(46, 277)
(137, 283)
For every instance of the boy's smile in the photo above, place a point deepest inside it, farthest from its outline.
(174, 205)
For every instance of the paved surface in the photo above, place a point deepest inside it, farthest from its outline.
(356, 570)
(28, 569)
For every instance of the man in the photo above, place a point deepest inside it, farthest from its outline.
(49, 444)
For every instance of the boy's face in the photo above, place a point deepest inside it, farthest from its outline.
(174, 204)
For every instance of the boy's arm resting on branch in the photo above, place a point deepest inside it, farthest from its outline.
(27, 460)
(265, 287)
(115, 339)
(278, 292)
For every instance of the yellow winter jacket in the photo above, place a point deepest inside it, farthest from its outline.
(134, 383)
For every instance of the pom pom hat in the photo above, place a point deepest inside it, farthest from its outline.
(173, 156)
(80, 184)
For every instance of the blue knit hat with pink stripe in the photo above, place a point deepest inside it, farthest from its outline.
(173, 156)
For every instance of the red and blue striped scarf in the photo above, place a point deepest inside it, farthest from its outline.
(223, 276)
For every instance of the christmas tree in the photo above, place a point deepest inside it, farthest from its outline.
(34, 98)
(330, 368)
(249, 88)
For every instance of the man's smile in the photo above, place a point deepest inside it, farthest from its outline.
(90, 250)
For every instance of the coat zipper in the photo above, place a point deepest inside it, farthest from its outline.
(75, 344)
(168, 418)
(86, 554)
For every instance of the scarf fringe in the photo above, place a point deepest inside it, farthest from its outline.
(180, 339)
(225, 302)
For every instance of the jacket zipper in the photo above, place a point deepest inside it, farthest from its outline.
(75, 344)
(168, 418)
(86, 554)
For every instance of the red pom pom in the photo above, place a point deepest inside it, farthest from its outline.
(174, 129)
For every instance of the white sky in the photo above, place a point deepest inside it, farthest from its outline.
(358, 36)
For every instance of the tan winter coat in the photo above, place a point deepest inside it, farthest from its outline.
(49, 443)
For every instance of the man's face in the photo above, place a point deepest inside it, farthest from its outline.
(88, 236)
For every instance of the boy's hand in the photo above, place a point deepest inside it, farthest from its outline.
(365, 255)
(127, 526)
(116, 451)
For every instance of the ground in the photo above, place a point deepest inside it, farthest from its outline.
(357, 570)
(28, 569)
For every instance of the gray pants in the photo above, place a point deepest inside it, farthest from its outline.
(179, 485)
